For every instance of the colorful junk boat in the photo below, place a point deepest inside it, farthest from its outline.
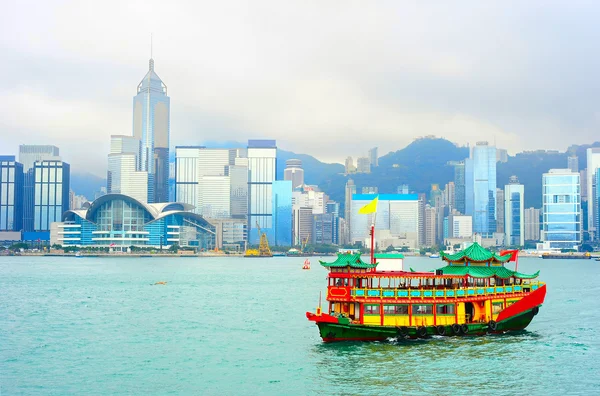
(474, 294)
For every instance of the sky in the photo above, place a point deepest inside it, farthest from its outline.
(326, 78)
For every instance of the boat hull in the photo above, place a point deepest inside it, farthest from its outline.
(332, 332)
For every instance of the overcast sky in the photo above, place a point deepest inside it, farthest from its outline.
(326, 78)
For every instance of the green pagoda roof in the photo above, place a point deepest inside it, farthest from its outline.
(475, 252)
(345, 260)
(484, 272)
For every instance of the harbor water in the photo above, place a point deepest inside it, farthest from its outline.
(225, 326)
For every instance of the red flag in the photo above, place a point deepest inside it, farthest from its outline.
(514, 254)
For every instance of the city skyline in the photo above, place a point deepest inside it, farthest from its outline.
(251, 83)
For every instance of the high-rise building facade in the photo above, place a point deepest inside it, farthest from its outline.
(373, 157)
(561, 209)
(31, 153)
(573, 163)
(500, 214)
(124, 175)
(350, 190)
(11, 194)
(282, 213)
(459, 186)
(151, 125)
(532, 224)
(50, 193)
(363, 165)
(293, 171)
(349, 165)
(480, 188)
(262, 170)
(514, 202)
(593, 163)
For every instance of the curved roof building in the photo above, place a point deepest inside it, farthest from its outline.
(121, 221)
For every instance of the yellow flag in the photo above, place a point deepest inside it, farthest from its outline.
(371, 207)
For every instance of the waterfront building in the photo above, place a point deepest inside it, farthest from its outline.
(396, 213)
(532, 224)
(124, 175)
(50, 198)
(363, 165)
(324, 229)
(151, 126)
(303, 224)
(593, 163)
(460, 226)
(500, 214)
(514, 212)
(480, 188)
(294, 172)
(282, 213)
(118, 222)
(262, 168)
(373, 157)
(11, 194)
(561, 209)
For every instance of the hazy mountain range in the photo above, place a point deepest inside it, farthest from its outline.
(420, 164)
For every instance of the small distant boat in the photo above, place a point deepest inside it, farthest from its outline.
(78, 254)
(306, 265)
(435, 255)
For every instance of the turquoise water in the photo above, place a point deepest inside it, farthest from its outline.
(227, 326)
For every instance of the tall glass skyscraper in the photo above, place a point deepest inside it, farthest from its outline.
(151, 125)
(51, 193)
(262, 170)
(11, 194)
(561, 208)
(282, 213)
(514, 224)
(480, 188)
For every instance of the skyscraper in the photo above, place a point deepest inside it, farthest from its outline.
(500, 214)
(459, 185)
(573, 163)
(151, 125)
(124, 176)
(593, 163)
(30, 153)
(11, 194)
(561, 209)
(350, 190)
(373, 158)
(514, 225)
(363, 165)
(480, 188)
(282, 213)
(293, 171)
(532, 224)
(262, 168)
(50, 194)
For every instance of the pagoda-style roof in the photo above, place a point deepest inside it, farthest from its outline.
(348, 260)
(475, 253)
(484, 272)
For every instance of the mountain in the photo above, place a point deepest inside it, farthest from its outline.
(86, 184)
(420, 164)
(315, 171)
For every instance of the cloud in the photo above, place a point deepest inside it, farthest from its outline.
(329, 79)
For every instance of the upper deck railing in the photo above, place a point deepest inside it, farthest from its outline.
(425, 293)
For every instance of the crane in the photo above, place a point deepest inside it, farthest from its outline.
(304, 242)
(263, 246)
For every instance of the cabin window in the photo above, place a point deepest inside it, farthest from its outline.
(497, 307)
(444, 309)
(396, 309)
(372, 310)
(422, 309)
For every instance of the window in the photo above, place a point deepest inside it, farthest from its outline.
(401, 309)
(445, 309)
(497, 307)
(372, 310)
(422, 309)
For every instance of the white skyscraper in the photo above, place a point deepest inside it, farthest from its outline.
(561, 209)
(124, 175)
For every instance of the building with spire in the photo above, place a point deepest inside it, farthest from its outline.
(151, 125)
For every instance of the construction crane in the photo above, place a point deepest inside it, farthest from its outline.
(304, 242)
(263, 246)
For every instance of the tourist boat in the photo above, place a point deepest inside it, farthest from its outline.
(306, 265)
(474, 294)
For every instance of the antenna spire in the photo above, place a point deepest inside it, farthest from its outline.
(151, 60)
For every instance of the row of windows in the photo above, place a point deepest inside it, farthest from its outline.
(402, 309)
